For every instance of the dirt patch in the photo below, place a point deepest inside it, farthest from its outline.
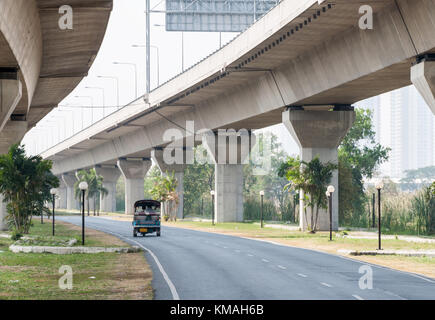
(132, 278)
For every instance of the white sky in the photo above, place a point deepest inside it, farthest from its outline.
(127, 28)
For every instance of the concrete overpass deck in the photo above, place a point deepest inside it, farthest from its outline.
(301, 53)
(45, 61)
(302, 64)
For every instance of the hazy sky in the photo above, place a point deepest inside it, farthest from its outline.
(127, 28)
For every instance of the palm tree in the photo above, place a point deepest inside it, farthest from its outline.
(164, 190)
(25, 184)
(95, 187)
(313, 178)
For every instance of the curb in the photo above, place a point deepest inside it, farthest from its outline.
(72, 250)
(389, 253)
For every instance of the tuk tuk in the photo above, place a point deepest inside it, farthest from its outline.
(146, 217)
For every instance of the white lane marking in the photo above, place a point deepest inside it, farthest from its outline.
(250, 255)
(317, 251)
(395, 295)
(325, 284)
(171, 286)
(357, 297)
(225, 247)
(302, 275)
(264, 260)
(238, 251)
(282, 267)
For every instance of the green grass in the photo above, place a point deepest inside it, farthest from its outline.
(62, 232)
(35, 276)
(252, 229)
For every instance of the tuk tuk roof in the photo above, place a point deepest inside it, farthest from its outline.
(146, 202)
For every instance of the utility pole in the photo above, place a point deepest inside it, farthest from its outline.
(148, 47)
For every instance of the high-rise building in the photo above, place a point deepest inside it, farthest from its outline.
(404, 123)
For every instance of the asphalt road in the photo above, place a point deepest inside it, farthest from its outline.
(194, 265)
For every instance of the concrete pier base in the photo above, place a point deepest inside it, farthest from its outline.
(229, 150)
(423, 78)
(319, 134)
(229, 192)
(71, 202)
(3, 213)
(110, 176)
(134, 172)
(178, 170)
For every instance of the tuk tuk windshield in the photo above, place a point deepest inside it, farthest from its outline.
(147, 209)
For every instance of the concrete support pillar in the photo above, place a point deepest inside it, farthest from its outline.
(3, 213)
(229, 150)
(62, 195)
(134, 171)
(167, 166)
(110, 176)
(71, 202)
(319, 133)
(423, 78)
(12, 133)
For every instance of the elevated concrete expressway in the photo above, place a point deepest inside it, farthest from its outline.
(40, 64)
(298, 64)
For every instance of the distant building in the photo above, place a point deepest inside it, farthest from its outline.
(403, 122)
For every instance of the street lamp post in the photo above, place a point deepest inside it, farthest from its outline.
(182, 46)
(329, 194)
(104, 99)
(117, 87)
(373, 213)
(379, 186)
(261, 213)
(83, 186)
(295, 197)
(212, 206)
(53, 192)
(92, 105)
(158, 59)
(135, 72)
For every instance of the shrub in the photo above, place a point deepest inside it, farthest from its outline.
(16, 235)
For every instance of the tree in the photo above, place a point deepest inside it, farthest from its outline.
(164, 190)
(95, 187)
(272, 183)
(423, 210)
(418, 178)
(25, 184)
(313, 178)
(198, 182)
(359, 155)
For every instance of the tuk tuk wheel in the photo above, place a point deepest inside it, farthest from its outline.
(134, 234)
(158, 233)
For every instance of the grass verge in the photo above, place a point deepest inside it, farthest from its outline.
(320, 241)
(95, 276)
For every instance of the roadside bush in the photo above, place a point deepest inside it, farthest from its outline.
(252, 210)
(15, 236)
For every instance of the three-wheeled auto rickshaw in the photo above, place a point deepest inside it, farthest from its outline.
(146, 217)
